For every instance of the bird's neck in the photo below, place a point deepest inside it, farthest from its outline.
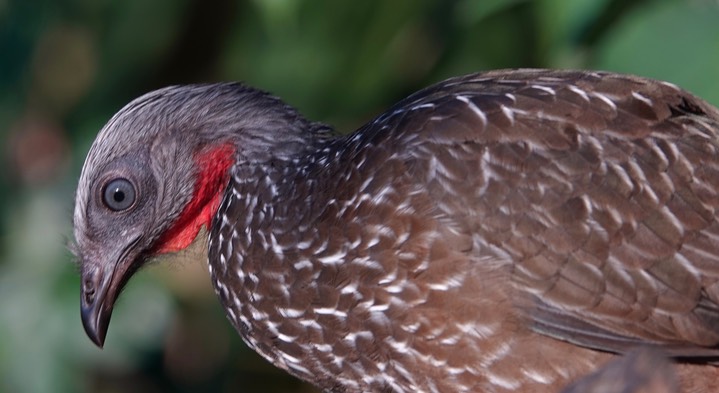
(268, 226)
(213, 172)
(280, 201)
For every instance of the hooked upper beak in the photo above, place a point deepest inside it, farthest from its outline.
(98, 298)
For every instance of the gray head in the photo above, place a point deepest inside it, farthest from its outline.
(156, 174)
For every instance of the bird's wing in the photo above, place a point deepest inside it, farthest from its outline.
(600, 191)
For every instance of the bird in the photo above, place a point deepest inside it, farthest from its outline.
(508, 230)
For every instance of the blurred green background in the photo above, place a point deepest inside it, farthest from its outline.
(67, 65)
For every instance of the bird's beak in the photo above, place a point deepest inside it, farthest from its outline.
(101, 285)
(97, 302)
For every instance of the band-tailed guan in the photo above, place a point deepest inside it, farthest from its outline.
(496, 232)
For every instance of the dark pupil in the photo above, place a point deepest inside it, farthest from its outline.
(118, 195)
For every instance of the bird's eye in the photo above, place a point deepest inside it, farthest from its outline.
(119, 194)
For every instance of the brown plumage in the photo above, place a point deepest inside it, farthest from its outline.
(503, 231)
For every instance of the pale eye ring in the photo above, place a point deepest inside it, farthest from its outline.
(119, 194)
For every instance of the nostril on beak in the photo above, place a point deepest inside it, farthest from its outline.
(90, 285)
(89, 291)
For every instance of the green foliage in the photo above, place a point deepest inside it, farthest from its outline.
(668, 39)
(66, 66)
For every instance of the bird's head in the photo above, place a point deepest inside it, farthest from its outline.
(156, 174)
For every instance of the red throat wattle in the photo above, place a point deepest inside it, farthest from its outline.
(211, 181)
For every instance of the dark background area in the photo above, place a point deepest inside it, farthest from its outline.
(67, 65)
